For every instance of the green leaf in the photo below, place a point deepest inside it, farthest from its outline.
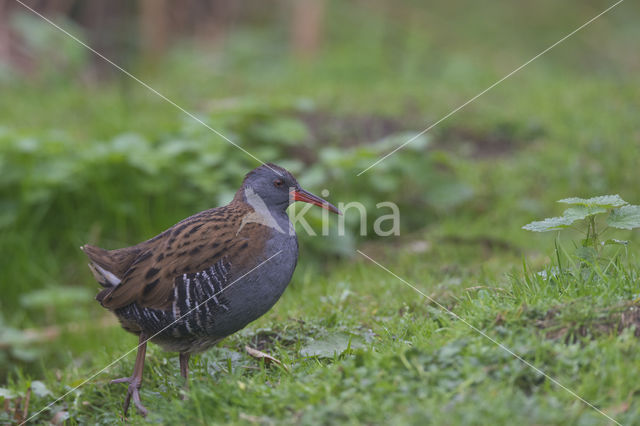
(25, 354)
(332, 345)
(549, 224)
(7, 393)
(418, 141)
(605, 201)
(581, 212)
(8, 212)
(448, 195)
(282, 130)
(569, 216)
(587, 254)
(626, 217)
(12, 337)
(39, 389)
(55, 296)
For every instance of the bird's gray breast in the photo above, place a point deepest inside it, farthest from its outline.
(253, 291)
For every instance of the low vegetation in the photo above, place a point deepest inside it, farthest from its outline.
(111, 164)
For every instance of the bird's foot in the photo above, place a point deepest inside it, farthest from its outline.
(133, 391)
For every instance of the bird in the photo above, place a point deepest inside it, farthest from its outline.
(206, 277)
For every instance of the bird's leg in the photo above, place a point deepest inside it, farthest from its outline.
(184, 370)
(135, 381)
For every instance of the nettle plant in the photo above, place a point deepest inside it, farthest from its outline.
(593, 217)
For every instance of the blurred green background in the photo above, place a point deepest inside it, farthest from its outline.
(323, 88)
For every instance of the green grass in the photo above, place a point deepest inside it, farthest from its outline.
(412, 362)
(564, 126)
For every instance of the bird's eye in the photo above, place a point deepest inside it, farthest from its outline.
(278, 182)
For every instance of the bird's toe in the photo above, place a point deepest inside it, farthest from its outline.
(136, 400)
(121, 380)
(133, 392)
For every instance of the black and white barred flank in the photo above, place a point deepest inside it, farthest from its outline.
(197, 297)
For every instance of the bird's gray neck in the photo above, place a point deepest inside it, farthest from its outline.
(282, 218)
(274, 217)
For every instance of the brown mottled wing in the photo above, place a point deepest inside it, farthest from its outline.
(190, 246)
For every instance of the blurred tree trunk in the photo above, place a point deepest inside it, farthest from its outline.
(182, 17)
(57, 7)
(12, 52)
(215, 19)
(306, 27)
(5, 40)
(154, 27)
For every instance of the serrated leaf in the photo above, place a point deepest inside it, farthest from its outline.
(605, 201)
(626, 217)
(549, 224)
(569, 216)
(581, 212)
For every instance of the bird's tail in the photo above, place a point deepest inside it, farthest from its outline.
(102, 265)
(109, 266)
(104, 277)
(106, 266)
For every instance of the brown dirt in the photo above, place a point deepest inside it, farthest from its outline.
(476, 144)
(350, 130)
(264, 339)
(607, 321)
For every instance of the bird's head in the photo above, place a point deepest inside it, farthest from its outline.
(277, 188)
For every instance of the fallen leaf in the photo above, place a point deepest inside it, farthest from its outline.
(60, 417)
(268, 359)
(252, 419)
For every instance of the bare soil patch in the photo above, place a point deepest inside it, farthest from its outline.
(607, 321)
